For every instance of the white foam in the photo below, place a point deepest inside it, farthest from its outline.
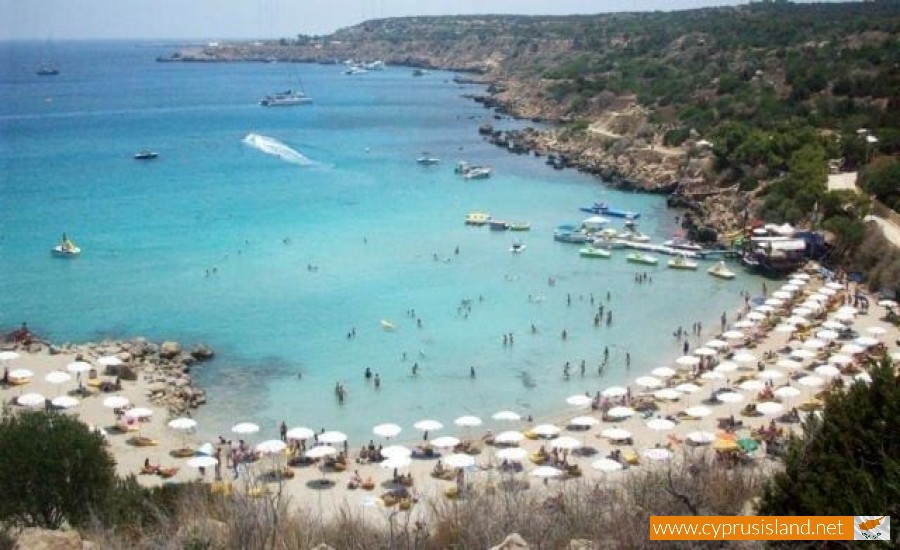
(272, 146)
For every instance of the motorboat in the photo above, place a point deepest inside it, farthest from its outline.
(47, 70)
(478, 173)
(477, 218)
(638, 258)
(355, 70)
(607, 210)
(591, 252)
(66, 248)
(374, 66)
(575, 237)
(419, 72)
(517, 247)
(145, 154)
(287, 98)
(387, 325)
(634, 236)
(427, 160)
(721, 271)
(520, 227)
(498, 225)
(683, 244)
(681, 262)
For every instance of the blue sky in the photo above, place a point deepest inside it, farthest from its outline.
(164, 19)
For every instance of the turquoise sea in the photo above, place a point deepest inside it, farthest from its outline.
(361, 212)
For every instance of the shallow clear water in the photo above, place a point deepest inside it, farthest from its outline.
(364, 213)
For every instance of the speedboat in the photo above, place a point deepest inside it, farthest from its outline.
(605, 209)
(517, 247)
(591, 252)
(427, 160)
(681, 262)
(721, 271)
(638, 258)
(66, 248)
(498, 225)
(477, 218)
(682, 244)
(145, 154)
(520, 227)
(477, 173)
(287, 98)
(575, 237)
(47, 70)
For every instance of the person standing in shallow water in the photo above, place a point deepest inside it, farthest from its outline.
(377, 381)
(471, 372)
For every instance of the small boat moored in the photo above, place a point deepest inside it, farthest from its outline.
(145, 154)
(477, 218)
(520, 227)
(387, 325)
(517, 247)
(498, 225)
(721, 271)
(638, 258)
(66, 248)
(427, 160)
(591, 252)
(681, 262)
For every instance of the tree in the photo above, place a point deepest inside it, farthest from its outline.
(847, 462)
(54, 470)
(882, 178)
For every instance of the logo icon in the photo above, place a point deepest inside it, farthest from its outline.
(872, 528)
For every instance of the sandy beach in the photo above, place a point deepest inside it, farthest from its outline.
(768, 363)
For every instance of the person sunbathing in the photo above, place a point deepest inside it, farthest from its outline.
(149, 468)
(438, 469)
(355, 480)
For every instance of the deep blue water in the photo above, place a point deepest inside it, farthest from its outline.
(363, 212)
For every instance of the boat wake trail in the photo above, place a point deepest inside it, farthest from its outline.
(272, 146)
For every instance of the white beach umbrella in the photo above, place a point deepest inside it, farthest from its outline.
(616, 434)
(565, 442)
(788, 364)
(138, 413)
(607, 465)
(245, 428)
(579, 401)
(811, 381)
(271, 447)
(802, 354)
(511, 453)
(31, 400)
(614, 391)
(770, 375)
(333, 437)
(182, 424)
(895, 357)
(392, 451)
(583, 421)
(798, 283)
(299, 433)
(663, 372)
(887, 303)
(701, 438)
(852, 349)
(784, 328)
(876, 331)
(745, 357)
(445, 442)
(744, 324)
(775, 302)
(712, 375)
(545, 472)
(840, 359)
(64, 402)
(705, 352)
(206, 449)
(546, 430)
(109, 361)
(814, 343)
(828, 371)
(648, 382)
(782, 295)
(116, 402)
(825, 291)
(396, 462)
(698, 412)
(770, 408)
(847, 309)
(667, 394)
(19, 374)
(202, 462)
(387, 430)
(660, 424)
(756, 316)
(863, 377)
(765, 308)
(507, 415)
(726, 366)
(687, 388)
(833, 325)
(8, 355)
(751, 385)
(797, 320)
(469, 421)
(834, 285)
(688, 361)
(716, 344)
(657, 454)
(459, 461)
(733, 335)
(801, 275)
(787, 392)
(866, 341)
(801, 311)
(76, 367)
(620, 412)
(428, 425)
(730, 397)
(321, 451)
(58, 377)
(845, 317)
(510, 436)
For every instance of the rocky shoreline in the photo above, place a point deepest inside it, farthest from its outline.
(165, 367)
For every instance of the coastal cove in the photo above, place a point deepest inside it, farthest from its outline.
(273, 263)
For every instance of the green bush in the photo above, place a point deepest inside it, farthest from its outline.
(53, 470)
